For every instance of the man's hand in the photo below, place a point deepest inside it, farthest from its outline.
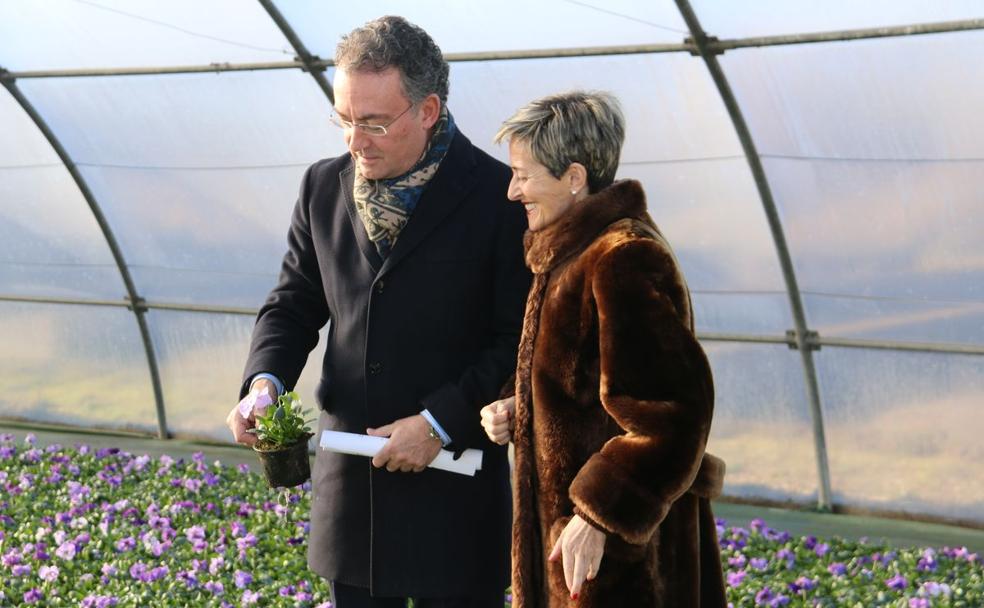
(410, 447)
(240, 424)
(497, 420)
(582, 546)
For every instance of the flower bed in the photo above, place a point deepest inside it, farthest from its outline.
(766, 567)
(95, 528)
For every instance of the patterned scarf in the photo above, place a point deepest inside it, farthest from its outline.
(385, 205)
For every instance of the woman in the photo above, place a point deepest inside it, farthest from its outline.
(613, 396)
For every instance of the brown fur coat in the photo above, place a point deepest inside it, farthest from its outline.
(614, 399)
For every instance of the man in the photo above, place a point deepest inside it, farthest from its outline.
(410, 249)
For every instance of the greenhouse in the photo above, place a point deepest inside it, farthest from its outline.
(818, 168)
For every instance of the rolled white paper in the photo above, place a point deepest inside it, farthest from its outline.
(367, 445)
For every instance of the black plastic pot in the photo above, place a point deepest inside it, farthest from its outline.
(286, 467)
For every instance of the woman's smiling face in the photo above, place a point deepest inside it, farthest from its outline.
(546, 197)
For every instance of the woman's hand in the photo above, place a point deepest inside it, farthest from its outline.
(497, 420)
(582, 546)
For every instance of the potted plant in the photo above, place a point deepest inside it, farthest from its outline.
(282, 442)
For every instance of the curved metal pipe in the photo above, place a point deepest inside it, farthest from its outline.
(801, 333)
(312, 63)
(136, 303)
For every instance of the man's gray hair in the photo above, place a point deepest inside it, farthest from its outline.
(584, 127)
(394, 42)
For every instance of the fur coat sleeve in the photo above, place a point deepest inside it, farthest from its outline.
(655, 384)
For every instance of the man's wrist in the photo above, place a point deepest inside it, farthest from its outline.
(434, 429)
(432, 433)
(278, 385)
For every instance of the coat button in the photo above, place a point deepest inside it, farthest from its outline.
(375, 368)
(380, 285)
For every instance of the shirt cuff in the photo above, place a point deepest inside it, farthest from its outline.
(276, 381)
(445, 438)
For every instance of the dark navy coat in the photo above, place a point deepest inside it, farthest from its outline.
(436, 325)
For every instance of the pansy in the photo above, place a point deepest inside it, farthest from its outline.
(242, 579)
(48, 573)
(255, 400)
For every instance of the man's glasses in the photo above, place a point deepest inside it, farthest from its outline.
(373, 130)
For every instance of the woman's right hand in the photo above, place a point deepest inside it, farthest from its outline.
(497, 420)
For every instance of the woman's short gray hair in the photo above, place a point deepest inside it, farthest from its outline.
(394, 42)
(584, 127)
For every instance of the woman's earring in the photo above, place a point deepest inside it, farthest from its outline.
(574, 192)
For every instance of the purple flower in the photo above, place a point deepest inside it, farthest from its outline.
(40, 553)
(806, 584)
(238, 529)
(243, 468)
(757, 525)
(137, 570)
(195, 533)
(764, 596)
(156, 547)
(109, 570)
(48, 573)
(897, 582)
(245, 542)
(155, 574)
(126, 544)
(918, 602)
(759, 563)
(21, 570)
(215, 587)
(735, 578)
(788, 556)
(250, 597)
(810, 542)
(10, 558)
(33, 596)
(216, 565)
(98, 601)
(242, 579)
(837, 569)
(30, 439)
(933, 589)
(189, 578)
(821, 549)
(738, 561)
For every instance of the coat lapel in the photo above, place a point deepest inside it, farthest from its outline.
(447, 189)
(347, 179)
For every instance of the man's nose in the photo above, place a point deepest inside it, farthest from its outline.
(357, 140)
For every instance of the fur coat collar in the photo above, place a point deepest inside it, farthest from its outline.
(572, 232)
